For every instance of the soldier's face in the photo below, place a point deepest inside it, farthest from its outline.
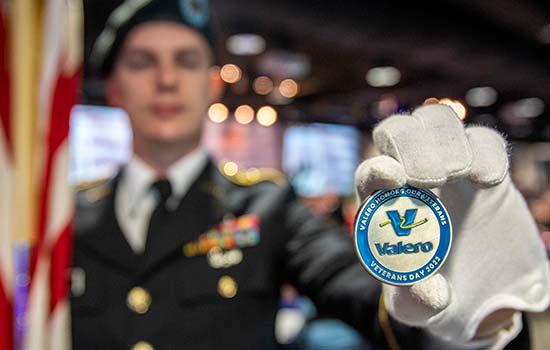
(164, 80)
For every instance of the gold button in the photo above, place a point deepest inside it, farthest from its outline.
(139, 300)
(142, 345)
(227, 287)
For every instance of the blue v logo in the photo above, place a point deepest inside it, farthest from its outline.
(402, 225)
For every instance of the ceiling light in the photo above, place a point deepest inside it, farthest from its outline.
(383, 76)
(482, 96)
(287, 64)
(245, 44)
(529, 107)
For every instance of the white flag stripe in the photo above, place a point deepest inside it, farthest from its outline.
(73, 51)
(60, 322)
(50, 63)
(60, 201)
(6, 218)
(54, 29)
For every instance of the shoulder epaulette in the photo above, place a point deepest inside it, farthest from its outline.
(92, 191)
(254, 175)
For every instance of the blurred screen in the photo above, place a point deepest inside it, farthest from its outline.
(100, 140)
(321, 158)
(248, 146)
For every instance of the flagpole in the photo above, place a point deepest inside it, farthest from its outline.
(23, 62)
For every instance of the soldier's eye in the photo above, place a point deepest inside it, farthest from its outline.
(139, 60)
(189, 59)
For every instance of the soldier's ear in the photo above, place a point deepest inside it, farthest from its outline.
(217, 86)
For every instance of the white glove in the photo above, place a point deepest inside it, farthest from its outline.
(497, 259)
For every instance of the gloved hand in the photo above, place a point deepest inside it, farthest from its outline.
(497, 260)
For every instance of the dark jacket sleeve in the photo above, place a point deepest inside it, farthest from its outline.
(322, 263)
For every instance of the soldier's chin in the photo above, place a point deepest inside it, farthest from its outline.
(177, 139)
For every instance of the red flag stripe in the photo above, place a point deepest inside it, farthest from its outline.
(60, 262)
(6, 321)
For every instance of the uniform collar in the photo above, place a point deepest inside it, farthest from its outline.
(138, 176)
(185, 171)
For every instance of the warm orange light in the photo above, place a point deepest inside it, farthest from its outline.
(244, 114)
(266, 116)
(456, 105)
(262, 85)
(288, 88)
(218, 112)
(230, 73)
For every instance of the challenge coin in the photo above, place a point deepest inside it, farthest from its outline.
(403, 235)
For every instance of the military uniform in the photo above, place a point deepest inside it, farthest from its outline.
(210, 277)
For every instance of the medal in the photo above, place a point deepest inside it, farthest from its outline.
(403, 235)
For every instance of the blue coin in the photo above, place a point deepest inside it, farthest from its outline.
(403, 235)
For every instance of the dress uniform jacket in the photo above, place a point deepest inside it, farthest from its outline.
(177, 295)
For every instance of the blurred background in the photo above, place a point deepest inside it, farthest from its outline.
(308, 80)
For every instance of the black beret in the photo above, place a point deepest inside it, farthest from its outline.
(192, 13)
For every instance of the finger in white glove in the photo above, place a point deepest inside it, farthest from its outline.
(418, 303)
(430, 144)
(378, 173)
(490, 162)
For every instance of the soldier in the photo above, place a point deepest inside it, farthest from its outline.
(172, 254)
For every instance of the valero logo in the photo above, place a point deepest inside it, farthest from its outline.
(402, 225)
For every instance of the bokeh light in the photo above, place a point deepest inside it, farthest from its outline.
(266, 116)
(288, 88)
(230, 73)
(262, 85)
(218, 112)
(244, 114)
(457, 107)
(230, 168)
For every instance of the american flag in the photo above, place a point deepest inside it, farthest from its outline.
(40, 66)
